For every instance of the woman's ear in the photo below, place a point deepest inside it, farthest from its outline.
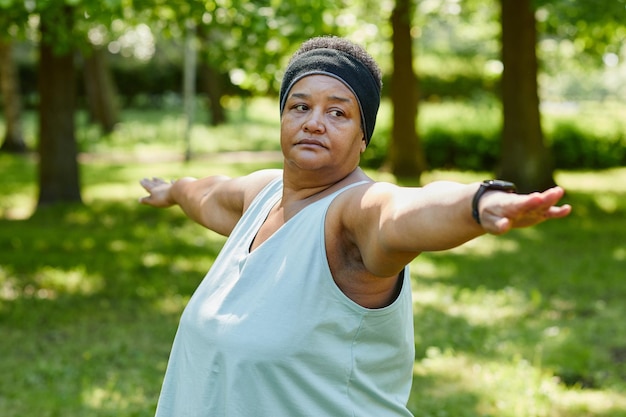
(363, 145)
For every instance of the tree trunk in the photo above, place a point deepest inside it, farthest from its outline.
(189, 85)
(58, 166)
(100, 89)
(210, 81)
(10, 90)
(525, 159)
(211, 85)
(406, 156)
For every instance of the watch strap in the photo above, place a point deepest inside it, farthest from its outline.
(488, 185)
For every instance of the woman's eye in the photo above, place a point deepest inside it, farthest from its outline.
(301, 107)
(336, 113)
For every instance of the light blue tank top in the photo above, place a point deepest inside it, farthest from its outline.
(269, 333)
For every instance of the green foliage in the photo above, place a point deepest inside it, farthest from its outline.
(457, 86)
(591, 28)
(461, 136)
(578, 149)
(587, 136)
(253, 38)
(466, 136)
(67, 21)
(12, 18)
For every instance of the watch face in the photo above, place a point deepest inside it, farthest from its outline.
(500, 185)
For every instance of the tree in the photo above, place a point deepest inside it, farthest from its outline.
(59, 38)
(58, 166)
(525, 159)
(406, 157)
(255, 37)
(10, 90)
(211, 82)
(100, 88)
(592, 28)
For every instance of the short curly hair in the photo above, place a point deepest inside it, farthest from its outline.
(346, 46)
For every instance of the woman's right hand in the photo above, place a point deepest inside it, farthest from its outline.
(159, 192)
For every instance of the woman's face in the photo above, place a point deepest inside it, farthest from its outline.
(321, 126)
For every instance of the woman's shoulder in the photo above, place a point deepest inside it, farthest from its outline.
(255, 182)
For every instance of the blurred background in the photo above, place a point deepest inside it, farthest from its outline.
(98, 94)
(528, 82)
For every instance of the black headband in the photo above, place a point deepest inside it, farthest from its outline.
(345, 68)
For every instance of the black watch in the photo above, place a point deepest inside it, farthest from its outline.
(488, 185)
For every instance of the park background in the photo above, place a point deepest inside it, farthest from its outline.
(96, 95)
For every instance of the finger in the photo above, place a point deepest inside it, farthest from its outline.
(559, 212)
(553, 194)
(502, 225)
(150, 183)
(543, 201)
(146, 184)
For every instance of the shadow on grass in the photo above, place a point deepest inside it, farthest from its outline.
(112, 249)
(89, 302)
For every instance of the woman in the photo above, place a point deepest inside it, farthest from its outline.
(307, 310)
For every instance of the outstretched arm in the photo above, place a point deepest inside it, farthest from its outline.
(216, 202)
(395, 224)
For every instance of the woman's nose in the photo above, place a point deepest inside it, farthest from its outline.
(313, 123)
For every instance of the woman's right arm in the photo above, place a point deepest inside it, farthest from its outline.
(215, 202)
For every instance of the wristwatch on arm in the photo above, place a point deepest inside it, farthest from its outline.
(488, 185)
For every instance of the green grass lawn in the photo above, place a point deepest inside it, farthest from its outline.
(525, 325)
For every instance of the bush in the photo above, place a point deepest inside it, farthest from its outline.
(575, 148)
(471, 150)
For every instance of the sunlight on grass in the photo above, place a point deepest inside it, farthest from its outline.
(593, 181)
(619, 254)
(49, 282)
(504, 389)
(591, 402)
(150, 259)
(254, 125)
(477, 307)
(109, 398)
(118, 245)
(464, 177)
(74, 281)
(609, 203)
(8, 286)
(488, 245)
(189, 264)
(172, 304)
(110, 191)
(426, 268)
(209, 139)
(18, 206)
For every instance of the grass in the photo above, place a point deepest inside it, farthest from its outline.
(530, 324)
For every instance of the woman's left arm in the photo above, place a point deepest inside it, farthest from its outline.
(391, 225)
